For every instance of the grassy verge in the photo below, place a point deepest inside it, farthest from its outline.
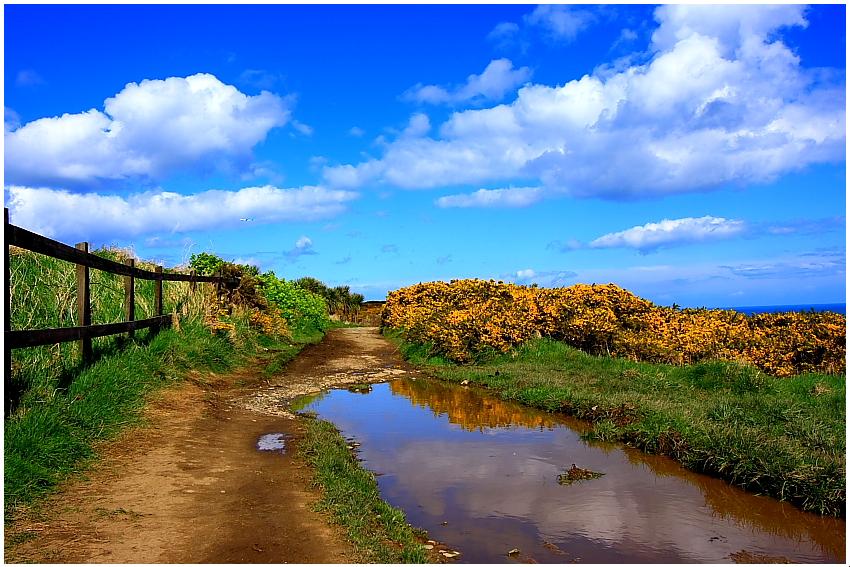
(350, 493)
(783, 437)
(53, 432)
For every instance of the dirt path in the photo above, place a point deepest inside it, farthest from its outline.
(191, 486)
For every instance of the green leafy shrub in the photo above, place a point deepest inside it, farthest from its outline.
(205, 264)
(298, 306)
(340, 299)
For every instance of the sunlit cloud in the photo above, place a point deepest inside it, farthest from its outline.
(90, 216)
(721, 100)
(146, 130)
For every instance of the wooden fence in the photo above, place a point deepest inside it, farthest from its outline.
(85, 332)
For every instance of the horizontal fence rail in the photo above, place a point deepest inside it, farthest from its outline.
(39, 337)
(23, 238)
(86, 331)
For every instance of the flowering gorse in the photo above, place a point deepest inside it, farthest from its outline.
(464, 319)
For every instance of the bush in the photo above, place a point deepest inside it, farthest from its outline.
(300, 308)
(340, 300)
(467, 319)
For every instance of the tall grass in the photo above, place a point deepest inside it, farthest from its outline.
(44, 295)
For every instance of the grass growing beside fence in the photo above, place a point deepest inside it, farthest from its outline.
(783, 437)
(349, 492)
(44, 295)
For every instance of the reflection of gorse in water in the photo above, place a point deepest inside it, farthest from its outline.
(468, 408)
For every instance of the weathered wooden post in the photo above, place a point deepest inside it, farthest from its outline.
(130, 295)
(192, 283)
(218, 287)
(157, 298)
(7, 314)
(84, 304)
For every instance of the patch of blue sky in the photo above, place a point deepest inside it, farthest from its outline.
(397, 93)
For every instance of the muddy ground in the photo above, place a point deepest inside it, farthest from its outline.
(190, 486)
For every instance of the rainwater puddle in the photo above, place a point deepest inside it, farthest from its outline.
(272, 442)
(481, 475)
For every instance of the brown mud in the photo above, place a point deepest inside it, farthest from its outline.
(191, 486)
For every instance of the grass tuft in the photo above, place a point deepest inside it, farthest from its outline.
(379, 531)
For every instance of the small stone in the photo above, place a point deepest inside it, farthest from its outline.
(432, 541)
(222, 491)
(514, 551)
(428, 546)
(464, 383)
(444, 523)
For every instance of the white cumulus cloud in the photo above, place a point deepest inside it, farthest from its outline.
(559, 21)
(673, 232)
(94, 217)
(147, 130)
(11, 120)
(418, 126)
(303, 247)
(511, 197)
(497, 80)
(721, 100)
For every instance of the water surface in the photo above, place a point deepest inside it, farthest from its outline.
(481, 475)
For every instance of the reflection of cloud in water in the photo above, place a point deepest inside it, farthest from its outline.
(444, 465)
(663, 513)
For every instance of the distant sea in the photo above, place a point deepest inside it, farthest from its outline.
(834, 307)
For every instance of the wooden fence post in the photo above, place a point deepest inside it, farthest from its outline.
(157, 297)
(84, 304)
(218, 292)
(130, 296)
(192, 283)
(7, 315)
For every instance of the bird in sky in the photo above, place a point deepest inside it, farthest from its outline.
(249, 219)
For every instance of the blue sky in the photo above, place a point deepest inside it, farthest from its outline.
(692, 154)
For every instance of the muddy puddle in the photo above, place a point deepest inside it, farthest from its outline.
(481, 475)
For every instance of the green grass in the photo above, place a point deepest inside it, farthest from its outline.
(782, 437)
(44, 295)
(350, 494)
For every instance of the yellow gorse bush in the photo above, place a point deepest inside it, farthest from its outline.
(463, 319)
